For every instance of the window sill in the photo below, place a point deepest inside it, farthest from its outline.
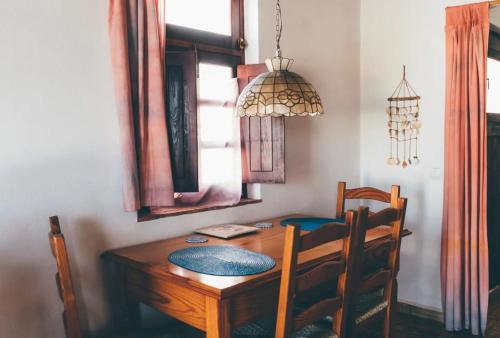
(145, 214)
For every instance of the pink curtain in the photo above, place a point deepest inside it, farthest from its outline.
(137, 37)
(464, 251)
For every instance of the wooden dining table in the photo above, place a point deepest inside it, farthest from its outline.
(214, 304)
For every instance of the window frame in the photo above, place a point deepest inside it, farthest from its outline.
(203, 41)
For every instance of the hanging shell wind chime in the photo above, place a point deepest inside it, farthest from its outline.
(404, 124)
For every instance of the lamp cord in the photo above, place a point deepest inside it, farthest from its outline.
(279, 28)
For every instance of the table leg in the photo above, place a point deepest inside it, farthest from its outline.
(126, 312)
(218, 323)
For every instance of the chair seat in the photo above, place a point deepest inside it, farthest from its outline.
(146, 334)
(265, 329)
(167, 332)
(369, 305)
(262, 328)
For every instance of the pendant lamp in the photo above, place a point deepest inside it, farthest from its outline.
(279, 92)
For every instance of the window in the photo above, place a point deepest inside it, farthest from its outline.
(214, 26)
(181, 13)
(203, 52)
(202, 57)
(215, 123)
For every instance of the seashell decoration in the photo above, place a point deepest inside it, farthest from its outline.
(404, 125)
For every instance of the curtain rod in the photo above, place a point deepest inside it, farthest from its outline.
(494, 3)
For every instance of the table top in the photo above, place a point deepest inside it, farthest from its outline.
(151, 258)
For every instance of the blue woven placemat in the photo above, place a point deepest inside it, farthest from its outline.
(310, 223)
(221, 260)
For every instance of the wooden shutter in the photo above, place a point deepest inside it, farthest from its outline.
(182, 119)
(263, 139)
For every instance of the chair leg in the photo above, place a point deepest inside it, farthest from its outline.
(391, 312)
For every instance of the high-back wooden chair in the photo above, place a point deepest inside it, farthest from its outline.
(339, 271)
(365, 193)
(63, 279)
(375, 292)
(67, 294)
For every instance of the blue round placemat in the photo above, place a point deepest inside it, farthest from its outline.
(310, 223)
(221, 260)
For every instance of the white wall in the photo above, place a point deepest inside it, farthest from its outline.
(394, 33)
(324, 41)
(493, 97)
(495, 16)
(60, 155)
(493, 93)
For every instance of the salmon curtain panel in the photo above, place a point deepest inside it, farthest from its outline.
(464, 251)
(137, 37)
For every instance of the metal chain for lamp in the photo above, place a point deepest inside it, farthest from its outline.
(279, 28)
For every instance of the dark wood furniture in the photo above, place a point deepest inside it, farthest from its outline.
(67, 294)
(210, 303)
(379, 266)
(365, 193)
(388, 252)
(338, 271)
(63, 279)
(181, 107)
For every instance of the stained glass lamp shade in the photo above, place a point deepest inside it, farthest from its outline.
(279, 92)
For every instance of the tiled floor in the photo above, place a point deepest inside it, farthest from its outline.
(413, 327)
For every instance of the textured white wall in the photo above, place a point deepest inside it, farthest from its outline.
(495, 16)
(493, 94)
(324, 41)
(393, 33)
(60, 154)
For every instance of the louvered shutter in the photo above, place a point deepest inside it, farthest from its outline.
(182, 119)
(263, 139)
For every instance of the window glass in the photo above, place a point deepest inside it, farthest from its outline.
(207, 15)
(210, 78)
(217, 139)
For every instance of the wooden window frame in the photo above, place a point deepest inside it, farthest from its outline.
(189, 38)
(144, 214)
(211, 48)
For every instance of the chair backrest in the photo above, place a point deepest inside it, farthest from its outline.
(337, 270)
(63, 279)
(379, 263)
(365, 193)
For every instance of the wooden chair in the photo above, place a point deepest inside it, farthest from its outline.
(374, 298)
(296, 287)
(294, 284)
(365, 193)
(67, 294)
(63, 279)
